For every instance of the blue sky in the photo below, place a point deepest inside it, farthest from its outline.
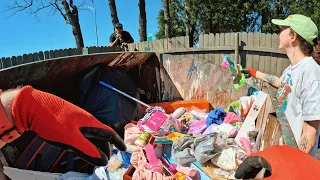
(22, 33)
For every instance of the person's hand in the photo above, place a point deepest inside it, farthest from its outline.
(281, 162)
(119, 36)
(64, 125)
(124, 44)
(249, 72)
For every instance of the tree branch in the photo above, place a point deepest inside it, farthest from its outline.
(63, 15)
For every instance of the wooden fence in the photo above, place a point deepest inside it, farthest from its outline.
(257, 50)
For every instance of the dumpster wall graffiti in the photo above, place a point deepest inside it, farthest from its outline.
(184, 76)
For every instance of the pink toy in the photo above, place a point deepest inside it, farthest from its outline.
(246, 145)
(155, 120)
(231, 118)
(225, 64)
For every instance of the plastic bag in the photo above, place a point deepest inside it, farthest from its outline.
(200, 114)
(207, 146)
(182, 150)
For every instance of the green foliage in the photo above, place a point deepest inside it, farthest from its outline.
(222, 16)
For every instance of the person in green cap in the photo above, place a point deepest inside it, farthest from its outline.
(299, 86)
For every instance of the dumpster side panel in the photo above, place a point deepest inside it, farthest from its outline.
(188, 77)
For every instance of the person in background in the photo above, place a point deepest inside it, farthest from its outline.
(299, 86)
(120, 37)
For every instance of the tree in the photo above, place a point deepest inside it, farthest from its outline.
(167, 22)
(142, 20)
(113, 12)
(68, 10)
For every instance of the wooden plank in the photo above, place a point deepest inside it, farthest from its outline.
(182, 42)
(287, 133)
(77, 51)
(244, 39)
(217, 39)
(227, 40)
(60, 53)
(232, 39)
(6, 62)
(46, 55)
(30, 58)
(25, 59)
(35, 57)
(64, 53)
(250, 39)
(51, 54)
(41, 56)
(222, 39)
(201, 40)
(186, 41)
(14, 61)
(256, 39)
(206, 40)
(70, 52)
(275, 41)
(19, 59)
(1, 64)
(56, 53)
(274, 59)
(211, 39)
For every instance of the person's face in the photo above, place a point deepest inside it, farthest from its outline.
(286, 38)
(118, 30)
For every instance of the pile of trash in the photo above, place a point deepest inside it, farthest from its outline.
(167, 146)
(194, 136)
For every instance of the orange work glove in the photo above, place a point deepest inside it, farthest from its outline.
(64, 125)
(248, 72)
(282, 163)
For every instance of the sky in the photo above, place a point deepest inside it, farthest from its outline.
(23, 34)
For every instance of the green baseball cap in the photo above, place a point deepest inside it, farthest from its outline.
(301, 24)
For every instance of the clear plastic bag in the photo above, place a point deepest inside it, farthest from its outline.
(207, 146)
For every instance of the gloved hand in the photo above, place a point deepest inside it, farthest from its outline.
(283, 162)
(248, 72)
(64, 125)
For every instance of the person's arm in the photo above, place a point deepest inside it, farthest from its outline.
(310, 100)
(273, 80)
(309, 136)
(113, 41)
(7, 98)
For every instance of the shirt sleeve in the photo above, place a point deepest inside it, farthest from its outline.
(310, 101)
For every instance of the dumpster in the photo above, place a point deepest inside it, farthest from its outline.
(161, 80)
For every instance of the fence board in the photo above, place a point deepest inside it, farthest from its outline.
(206, 40)
(35, 56)
(20, 60)
(55, 53)
(211, 39)
(1, 62)
(6, 62)
(46, 55)
(182, 42)
(41, 56)
(201, 40)
(14, 61)
(232, 39)
(227, 40)
(222, 39)
(256, 39)
(275, 41)
(217, 39)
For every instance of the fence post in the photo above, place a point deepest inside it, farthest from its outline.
(236, 49)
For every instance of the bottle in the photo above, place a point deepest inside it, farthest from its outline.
(143, 139)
